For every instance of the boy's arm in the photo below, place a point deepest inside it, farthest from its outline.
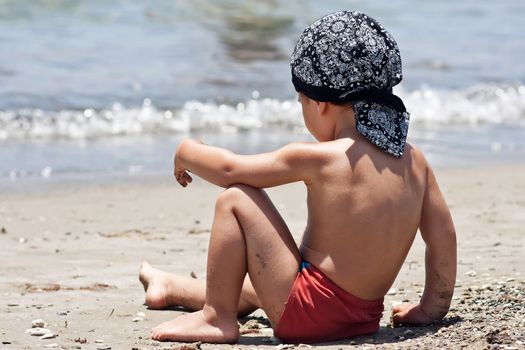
(437, 230)
(293, 162)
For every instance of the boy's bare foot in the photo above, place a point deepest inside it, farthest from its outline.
(195, 327)
(156, 286)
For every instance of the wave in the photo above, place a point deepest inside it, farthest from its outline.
(474, 106)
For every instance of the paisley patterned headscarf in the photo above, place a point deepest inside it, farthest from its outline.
(348, 56)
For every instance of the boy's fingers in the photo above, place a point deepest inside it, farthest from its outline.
(397, 318)
(399, 308)
(184, 179)
(395, 321)
(180, 175)
(395, 309)
(181, 181)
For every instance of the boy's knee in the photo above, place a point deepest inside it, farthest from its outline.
(235, 194)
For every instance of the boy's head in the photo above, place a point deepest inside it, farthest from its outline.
(348, 57)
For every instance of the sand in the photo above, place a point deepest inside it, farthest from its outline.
(70, 255)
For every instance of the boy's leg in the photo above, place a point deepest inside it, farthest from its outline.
(248, 235)
(165, 289)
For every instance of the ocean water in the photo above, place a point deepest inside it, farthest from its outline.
(108, 88)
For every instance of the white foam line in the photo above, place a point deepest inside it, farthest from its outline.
(477, 105)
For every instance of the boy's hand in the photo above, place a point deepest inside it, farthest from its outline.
(409, 314)
(182, 176)
(180, 171)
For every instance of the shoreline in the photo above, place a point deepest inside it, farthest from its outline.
(65, 182)
(36, 162)
(72, 251)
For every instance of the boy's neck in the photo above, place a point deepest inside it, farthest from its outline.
(344, 123)
(347, 131)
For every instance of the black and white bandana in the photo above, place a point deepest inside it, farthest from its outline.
(349, 57)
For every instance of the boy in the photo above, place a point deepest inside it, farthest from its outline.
(368, 193)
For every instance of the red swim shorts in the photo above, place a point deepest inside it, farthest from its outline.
(318, 310)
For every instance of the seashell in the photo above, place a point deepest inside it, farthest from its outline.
(38, 331)
(48, 336)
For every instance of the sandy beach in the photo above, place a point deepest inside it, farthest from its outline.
(70, 256)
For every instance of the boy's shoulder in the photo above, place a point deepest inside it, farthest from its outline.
(329, 151)
(415, 154)
(318, 153)
(347, 147)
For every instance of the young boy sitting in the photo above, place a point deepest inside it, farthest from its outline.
(368, 194)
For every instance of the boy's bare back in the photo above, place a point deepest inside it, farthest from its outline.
(363, 213)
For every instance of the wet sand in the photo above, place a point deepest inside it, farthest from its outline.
(70, 256)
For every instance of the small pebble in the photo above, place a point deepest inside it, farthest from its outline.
(53, 345)
(284, 346)
(471, 273)
(39, 323)
(103, 347)
(99, 341)
(187, 346)
(141, 314)
(266, 331)
(137, 319)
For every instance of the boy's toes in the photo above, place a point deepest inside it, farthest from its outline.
(159, 334)
(155, 333)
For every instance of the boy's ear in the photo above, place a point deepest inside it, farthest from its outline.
(322, 107)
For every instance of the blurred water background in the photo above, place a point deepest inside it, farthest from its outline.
(95, 88)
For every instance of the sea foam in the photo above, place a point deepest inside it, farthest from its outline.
(474, 106)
